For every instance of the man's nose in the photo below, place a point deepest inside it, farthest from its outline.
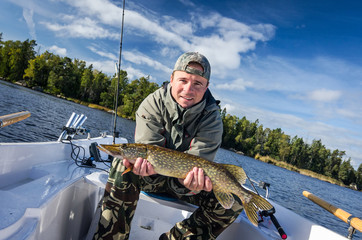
(188, 87)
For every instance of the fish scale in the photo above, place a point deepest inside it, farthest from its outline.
(227, 179)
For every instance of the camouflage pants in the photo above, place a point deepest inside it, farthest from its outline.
(122, 194)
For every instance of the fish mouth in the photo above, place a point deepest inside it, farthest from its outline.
(113, 149)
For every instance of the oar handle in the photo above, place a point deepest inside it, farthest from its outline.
(9, 119)
(341, 214)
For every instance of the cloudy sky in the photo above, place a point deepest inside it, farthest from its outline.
(294, 65)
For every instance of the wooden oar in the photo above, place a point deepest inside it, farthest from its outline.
(9, 119)
(341, 214)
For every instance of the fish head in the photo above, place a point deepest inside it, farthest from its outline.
(126, 150)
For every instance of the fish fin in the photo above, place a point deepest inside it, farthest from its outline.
(255, 204)
(127, 170)
(237, 172)
(225, 199)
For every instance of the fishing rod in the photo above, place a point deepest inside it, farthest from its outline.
(118, 79)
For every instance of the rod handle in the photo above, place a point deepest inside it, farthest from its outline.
(9, 119)
(281, 232)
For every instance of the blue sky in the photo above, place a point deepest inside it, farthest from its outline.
(294, 65)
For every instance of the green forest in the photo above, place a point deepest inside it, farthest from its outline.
(72, 78)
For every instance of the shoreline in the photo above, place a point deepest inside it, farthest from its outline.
(304, 172)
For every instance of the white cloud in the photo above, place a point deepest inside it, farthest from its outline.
(136, 74)
(103, 10)
(237, 85)
(138, 58)
(107, 67)
(58, 50)
(231, 28)
(108, 55)
(28, 16)
(174, 25)
(80, 28)
(229, 108)
(348, 113)
(324, 95)
(228, 38)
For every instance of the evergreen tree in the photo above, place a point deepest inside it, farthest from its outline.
(272, 144)
(108, 97)
(346, 173)
(298, 153)
(333, 163)
(19, 60)
(136, 91)
(1, 46)
(359, 177)
(316, 154)
(38, 71)
(86, 83)
(284, 147)
(100, 83)
(260, 139)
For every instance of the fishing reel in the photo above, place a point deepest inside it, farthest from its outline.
(270, 213)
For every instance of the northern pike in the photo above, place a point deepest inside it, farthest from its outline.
(227, 179)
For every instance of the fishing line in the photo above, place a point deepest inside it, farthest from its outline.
(252, 184)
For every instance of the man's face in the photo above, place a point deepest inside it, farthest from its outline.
(188, 89)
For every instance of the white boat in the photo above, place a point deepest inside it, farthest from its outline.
(45, 194)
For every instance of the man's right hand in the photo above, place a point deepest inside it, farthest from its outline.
(141, 167)
(196, 180)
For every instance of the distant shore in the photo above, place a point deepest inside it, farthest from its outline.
(305, 172)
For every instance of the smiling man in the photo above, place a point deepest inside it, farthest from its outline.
(182, 115)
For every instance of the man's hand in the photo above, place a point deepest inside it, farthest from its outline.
(141, 167)
(196, 180)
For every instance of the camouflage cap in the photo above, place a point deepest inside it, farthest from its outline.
(182, 64)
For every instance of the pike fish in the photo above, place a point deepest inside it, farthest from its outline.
(227, 179)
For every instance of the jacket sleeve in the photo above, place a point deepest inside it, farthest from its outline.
(149, 129)
(208, 137)
(149, 122)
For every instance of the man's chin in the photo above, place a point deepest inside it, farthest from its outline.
(186, 104)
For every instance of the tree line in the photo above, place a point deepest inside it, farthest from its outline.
(252, 139)
(72, 78)
(62, 76)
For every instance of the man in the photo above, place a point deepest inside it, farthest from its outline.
(182, 115)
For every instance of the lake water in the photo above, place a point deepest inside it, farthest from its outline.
(49, 114)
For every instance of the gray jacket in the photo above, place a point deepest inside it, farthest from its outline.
(196, 130)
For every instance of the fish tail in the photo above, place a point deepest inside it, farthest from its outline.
(256, 204)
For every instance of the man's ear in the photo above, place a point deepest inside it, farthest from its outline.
(171, 78)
